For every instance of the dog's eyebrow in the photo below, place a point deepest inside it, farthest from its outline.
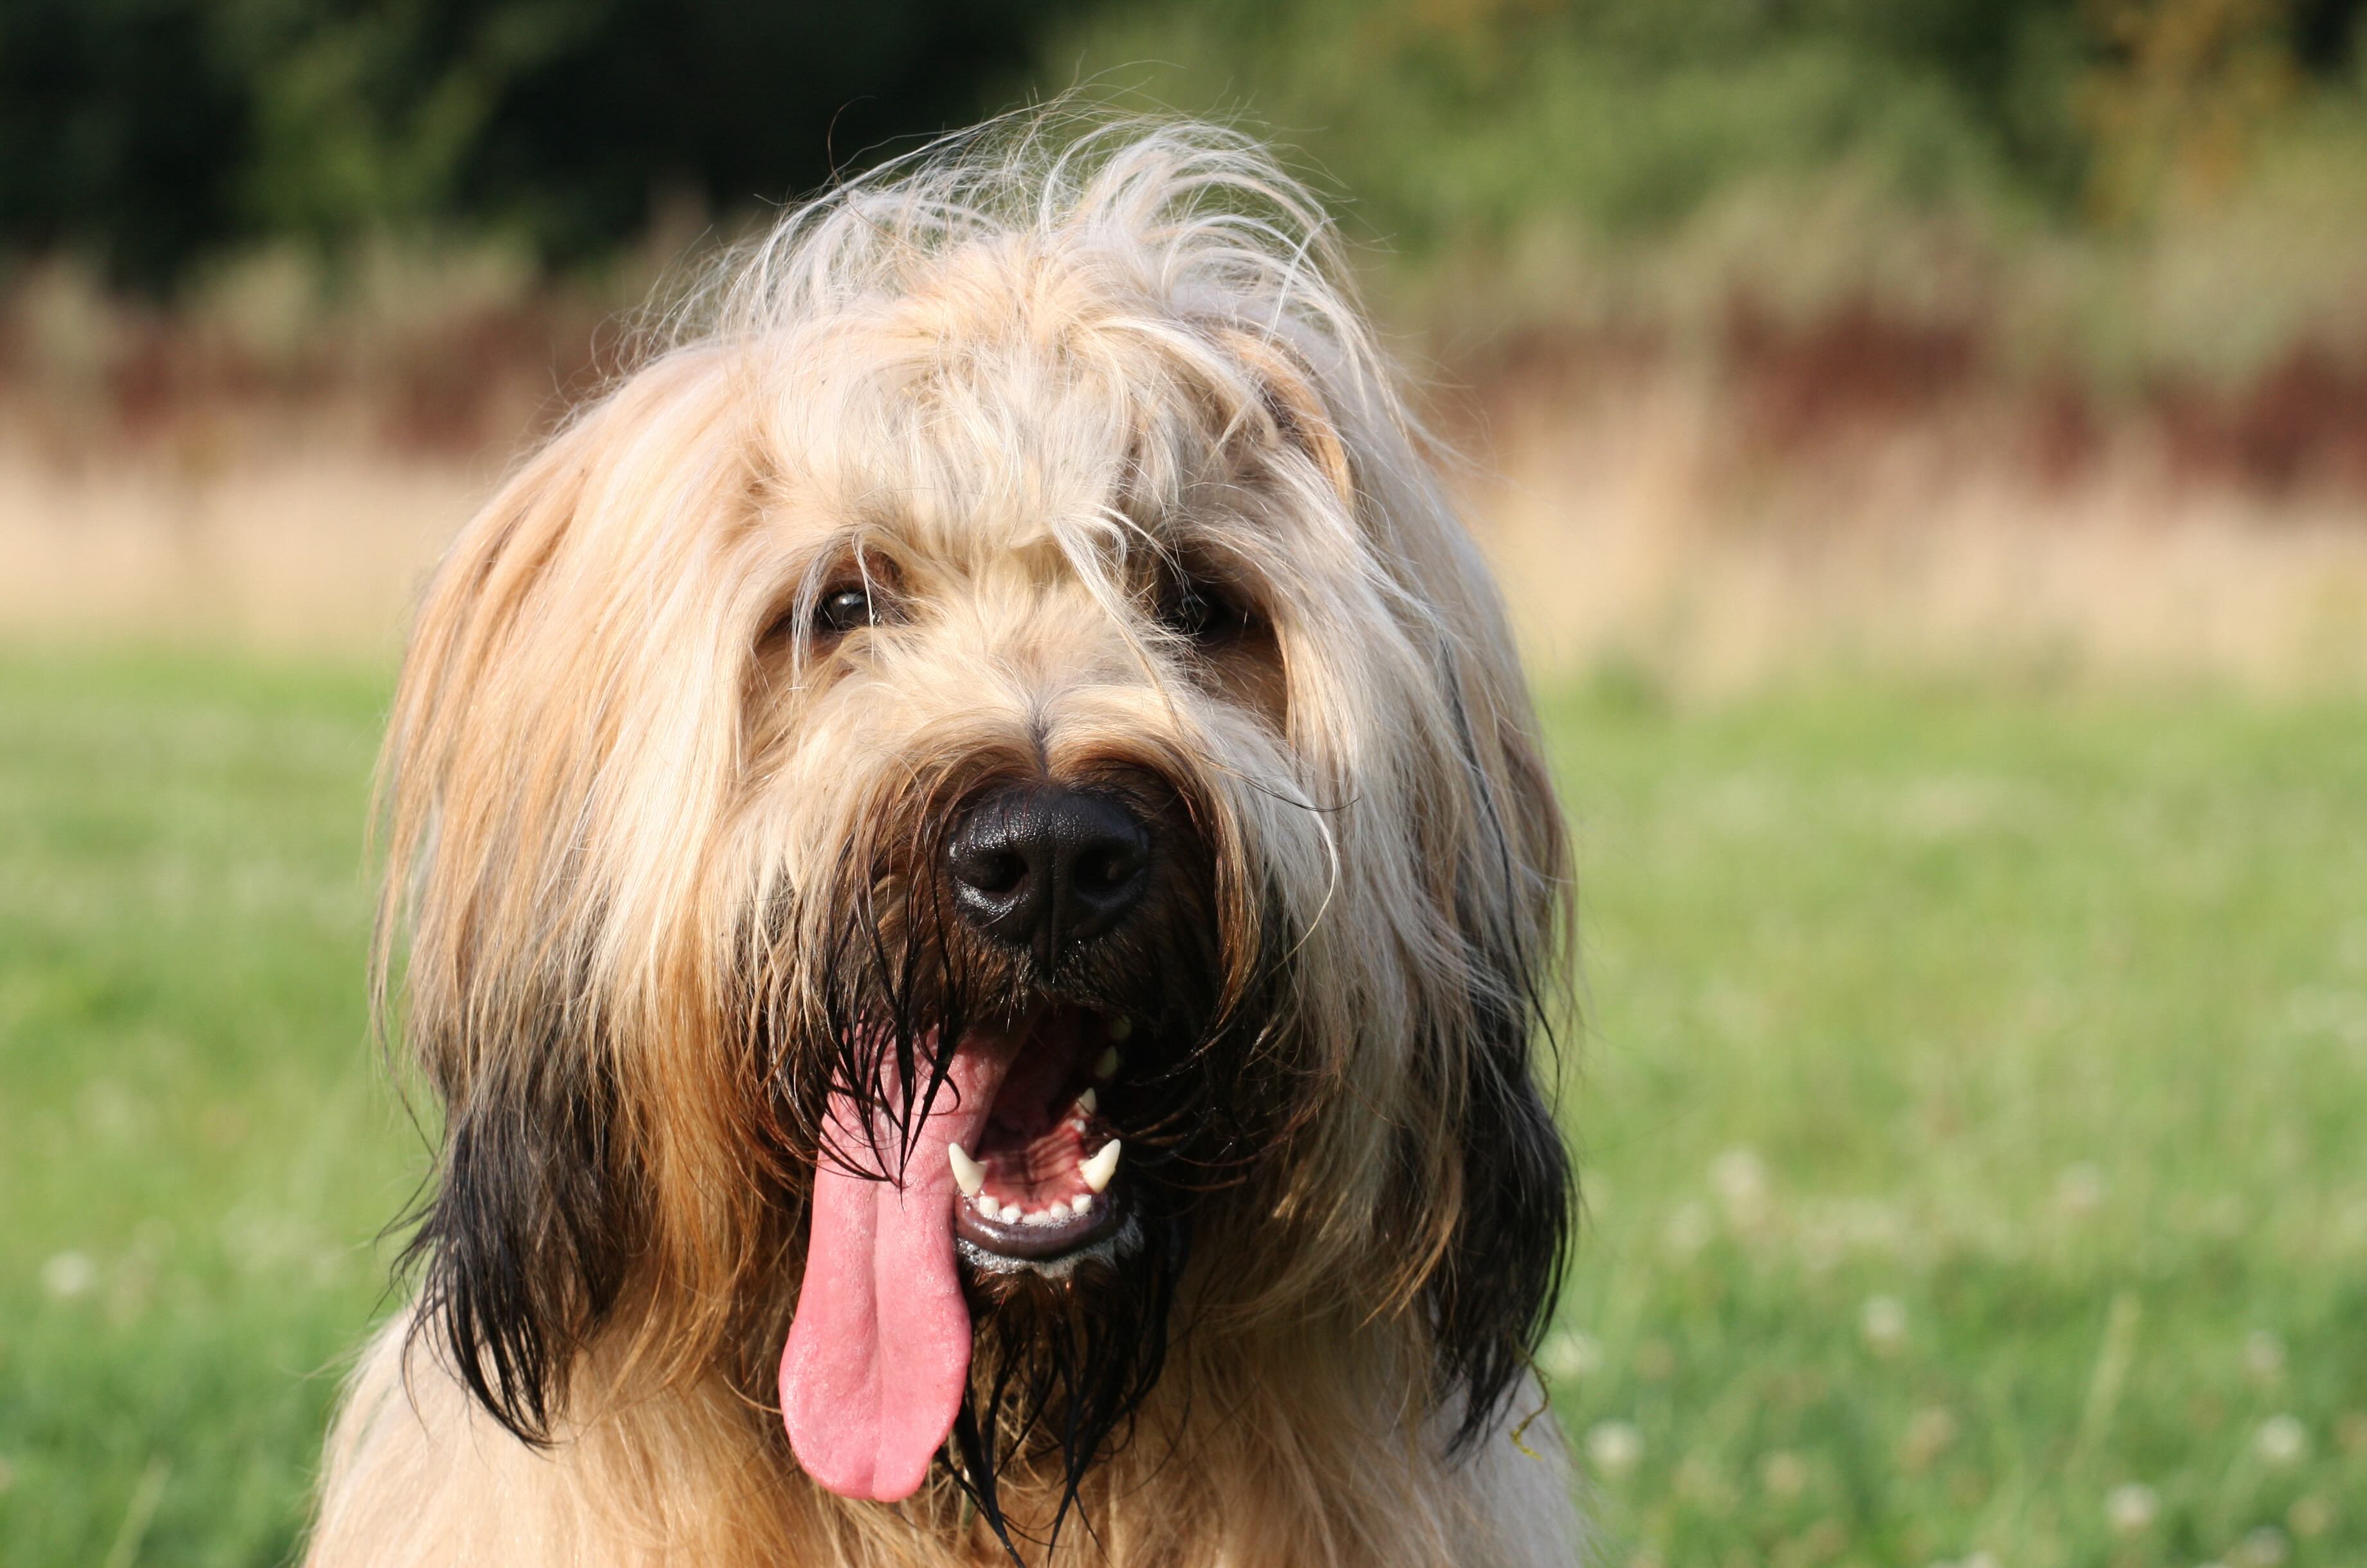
(878, 531)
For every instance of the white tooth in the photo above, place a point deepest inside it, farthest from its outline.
(1098, 1170)
(1089, 1102)
(990, 1208)
(1080, 1205)
(1120, 1027)
(968, 1175)
(1060, 1209)
(1106, 1068)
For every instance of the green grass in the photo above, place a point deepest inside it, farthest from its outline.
(198, 1151)
(1971, 1108)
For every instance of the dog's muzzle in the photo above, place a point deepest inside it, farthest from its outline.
(1013, 1165)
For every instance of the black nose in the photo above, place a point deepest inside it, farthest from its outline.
(1047, 868)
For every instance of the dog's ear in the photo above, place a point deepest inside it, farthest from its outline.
(1512, 1195)
(509, 799)
(526, 1242)
(1483, 1192)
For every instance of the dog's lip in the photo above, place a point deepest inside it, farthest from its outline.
(1032, 1240)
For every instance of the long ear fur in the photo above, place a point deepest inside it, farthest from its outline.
(1491, 1195)
(496, 929)
(525, 1243)
(1515, 1193)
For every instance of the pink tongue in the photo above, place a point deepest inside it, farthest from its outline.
(879, 1353)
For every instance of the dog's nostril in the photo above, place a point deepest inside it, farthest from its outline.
(993, 872)
(1106, 869)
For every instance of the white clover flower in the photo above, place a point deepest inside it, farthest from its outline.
(2262, 1548)
(1931, 1433)
(2310, 1516)
(69, 1274)
(1882, 1322)
(1741, 1178)
(1688, 1230)
(2130, 1508)
(2264, 1356)
(1614, 1447)
(2079, 1190)
(2280, 1441)
(1784, 1473)
(1569, 1354)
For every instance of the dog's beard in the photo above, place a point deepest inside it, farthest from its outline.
(1061, 1347)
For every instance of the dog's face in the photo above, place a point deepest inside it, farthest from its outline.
(977, 819)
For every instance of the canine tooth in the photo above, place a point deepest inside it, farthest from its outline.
(1120, 1026)
(1098, 1170)
(1089, 1102)
(1106, 1067)
(968, 1175)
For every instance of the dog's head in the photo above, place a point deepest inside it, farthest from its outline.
(974, 817)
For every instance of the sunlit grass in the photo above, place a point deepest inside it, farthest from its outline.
(1972, 1110)
(1970, 1107)
(197, 1152)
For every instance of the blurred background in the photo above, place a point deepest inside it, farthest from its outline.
(1925, 445)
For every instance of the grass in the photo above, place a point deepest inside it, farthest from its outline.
(1970, 1107)
(199, 1152)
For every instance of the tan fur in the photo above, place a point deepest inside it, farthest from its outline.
(1018, 377)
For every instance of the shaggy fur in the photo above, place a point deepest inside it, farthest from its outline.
(1097, 430)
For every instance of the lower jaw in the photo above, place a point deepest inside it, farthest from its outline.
(1116, 1238)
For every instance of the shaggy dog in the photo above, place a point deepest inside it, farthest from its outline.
(971, 869)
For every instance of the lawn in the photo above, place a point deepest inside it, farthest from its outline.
(1972, 1103)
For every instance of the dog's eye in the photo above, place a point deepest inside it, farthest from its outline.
(841, 610)
(848, 605)
(1201, 612)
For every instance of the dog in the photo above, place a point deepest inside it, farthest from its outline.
(971, 869)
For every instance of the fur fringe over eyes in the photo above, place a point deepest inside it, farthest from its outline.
(1052, 453)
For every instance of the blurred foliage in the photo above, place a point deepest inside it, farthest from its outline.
(1456, 121)
(153, 134)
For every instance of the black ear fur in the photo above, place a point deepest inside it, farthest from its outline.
(1494, 1293)
(525, 1242)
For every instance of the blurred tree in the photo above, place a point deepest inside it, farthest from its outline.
(1461, 121)
(155, 132)
(2184, 90)
(2327, 34)
(122, 130)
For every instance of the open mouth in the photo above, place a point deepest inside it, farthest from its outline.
(1012, 1167)
(1041, 1188)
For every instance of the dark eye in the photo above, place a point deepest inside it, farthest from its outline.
(841, 610)
(1201, 612)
